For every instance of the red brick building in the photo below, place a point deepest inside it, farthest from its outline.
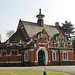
(36, 44)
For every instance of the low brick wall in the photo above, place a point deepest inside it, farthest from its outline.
(56, 63)
(53, 63)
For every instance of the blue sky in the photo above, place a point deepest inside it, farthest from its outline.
(54, 10)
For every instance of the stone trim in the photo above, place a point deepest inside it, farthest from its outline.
(46, 54)
(63, 56)
(55, 55)
(12, 62)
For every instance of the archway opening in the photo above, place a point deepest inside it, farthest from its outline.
(41, 58)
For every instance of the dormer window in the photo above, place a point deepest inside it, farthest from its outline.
(61, 41)
(44, 37)
(61, 44)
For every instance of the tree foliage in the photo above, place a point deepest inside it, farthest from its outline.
(0, 38)
(73, 42)
(68, 29)
(10, 33)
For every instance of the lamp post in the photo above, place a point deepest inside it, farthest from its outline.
(44, 73)
(59, 56)
(22, 55)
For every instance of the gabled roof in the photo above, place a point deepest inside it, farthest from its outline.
(34, 28)
(39, 33)
(16, 37)
(41, 41)
(56, 35)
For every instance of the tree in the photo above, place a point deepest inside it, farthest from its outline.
(68, 29)
(0, 38)
(10, 33)
(73, 43)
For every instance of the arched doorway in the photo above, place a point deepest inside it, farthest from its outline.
(41, 58)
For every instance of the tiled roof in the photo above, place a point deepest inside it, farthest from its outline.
(33, 28)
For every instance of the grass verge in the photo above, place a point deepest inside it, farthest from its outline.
(34, 73)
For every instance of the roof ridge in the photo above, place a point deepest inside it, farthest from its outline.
(49, 25)
(28, 21)
(36, 23)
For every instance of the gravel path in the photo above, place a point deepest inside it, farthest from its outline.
(67, 69)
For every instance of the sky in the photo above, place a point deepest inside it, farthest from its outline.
(54, 10)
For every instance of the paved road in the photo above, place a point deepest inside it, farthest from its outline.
(67, 69)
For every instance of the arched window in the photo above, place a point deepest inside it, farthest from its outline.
(54, 56)
(26, 56)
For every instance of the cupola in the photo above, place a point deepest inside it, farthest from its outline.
(40, 20)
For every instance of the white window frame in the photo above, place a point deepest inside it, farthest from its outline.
(63, 56)
(2, 53)
(25, 56)
(14, 55)
(53, 56)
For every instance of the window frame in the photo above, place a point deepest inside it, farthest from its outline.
(60, 44)
(14, 54)
(54, 56)
(64, 56)
(61, 41)
(2, 53)
(25, 56)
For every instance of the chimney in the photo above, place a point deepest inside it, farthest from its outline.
(57, 24)
(40, 20)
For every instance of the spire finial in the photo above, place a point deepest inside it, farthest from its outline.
(39, 11)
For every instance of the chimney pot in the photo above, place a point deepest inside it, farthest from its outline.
(57, 24)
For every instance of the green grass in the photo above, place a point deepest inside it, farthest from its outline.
(33, 73)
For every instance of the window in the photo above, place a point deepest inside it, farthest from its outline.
(61, 41)
(3, 53)
(14, 53)
(44, 37)
(54, 56)
(53, 43)
(61, 44)
(26, 55)
(64, 56)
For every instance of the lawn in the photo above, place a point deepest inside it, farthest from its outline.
(33, 73)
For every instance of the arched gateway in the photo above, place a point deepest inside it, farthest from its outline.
(41, 58)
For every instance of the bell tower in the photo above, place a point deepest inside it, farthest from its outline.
(40, 20)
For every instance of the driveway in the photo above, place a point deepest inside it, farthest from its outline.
(66, 69)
